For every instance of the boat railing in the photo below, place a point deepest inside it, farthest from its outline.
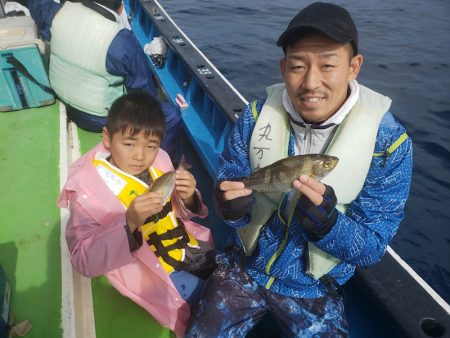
(213, 103)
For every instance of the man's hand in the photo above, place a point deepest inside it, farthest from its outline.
(143, 207)
(310, 188)
(315, 212)
(233, 199)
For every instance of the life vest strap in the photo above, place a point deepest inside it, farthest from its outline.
(392, 147)
(163, 251)
(160, 215)
(254, 110)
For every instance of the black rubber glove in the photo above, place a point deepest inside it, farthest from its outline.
(318, 220)
(235, 208)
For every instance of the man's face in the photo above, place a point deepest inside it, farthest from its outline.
(131, 153)
(316, 72)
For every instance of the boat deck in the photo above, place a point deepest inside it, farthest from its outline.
(29, 219)
(30, 240)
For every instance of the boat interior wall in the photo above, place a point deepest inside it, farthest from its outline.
(402, 300)
(188, 72)
(22, 86)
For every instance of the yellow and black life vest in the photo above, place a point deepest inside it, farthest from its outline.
(164, 233)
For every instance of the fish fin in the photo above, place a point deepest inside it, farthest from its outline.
(245, 181)
(183, 164)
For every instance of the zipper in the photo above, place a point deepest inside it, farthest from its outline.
(308, 134)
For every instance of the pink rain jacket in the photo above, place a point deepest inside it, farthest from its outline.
(98, 243)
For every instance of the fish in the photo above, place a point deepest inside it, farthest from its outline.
(165, 183)
(279, 176)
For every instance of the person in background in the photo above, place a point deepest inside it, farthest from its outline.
(147, 247)
(94, 59)
(290, 254)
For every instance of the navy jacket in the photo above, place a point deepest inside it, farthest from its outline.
(125, 56)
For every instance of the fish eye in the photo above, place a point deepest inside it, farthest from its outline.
(327, 164)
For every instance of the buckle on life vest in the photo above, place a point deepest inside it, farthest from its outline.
(333, 288)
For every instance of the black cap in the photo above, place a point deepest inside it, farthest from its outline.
(327, 18)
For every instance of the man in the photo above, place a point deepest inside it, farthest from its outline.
(291, 253)
(94, 59)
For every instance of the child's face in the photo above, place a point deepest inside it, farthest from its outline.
(132, 154)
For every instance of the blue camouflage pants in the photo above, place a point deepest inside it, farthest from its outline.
(232, 304)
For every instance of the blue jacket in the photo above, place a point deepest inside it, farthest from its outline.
(358, 238)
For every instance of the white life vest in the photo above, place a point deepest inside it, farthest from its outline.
(353, 143)
(79, 45)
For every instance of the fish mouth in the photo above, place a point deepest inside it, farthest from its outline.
(334, 159)
(332, 162)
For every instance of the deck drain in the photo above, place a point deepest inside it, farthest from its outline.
(432, 327)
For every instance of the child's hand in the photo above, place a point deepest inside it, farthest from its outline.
(185, 186)
(142, 208)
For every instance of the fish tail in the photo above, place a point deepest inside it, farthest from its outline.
(183, 164)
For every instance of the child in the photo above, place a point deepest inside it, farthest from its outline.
(120, 229)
